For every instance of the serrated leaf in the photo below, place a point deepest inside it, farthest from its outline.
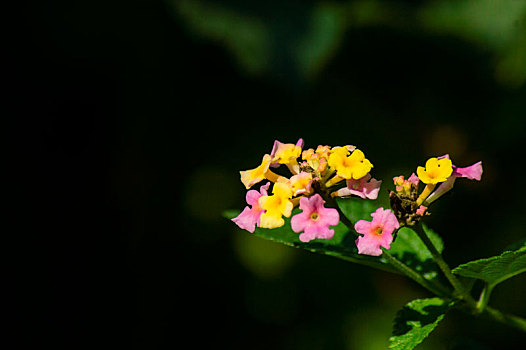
(415, 321)
(496, 269)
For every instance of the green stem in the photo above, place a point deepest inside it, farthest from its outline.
(484, 297)
(415, 276)
(479, 307)
(435, 288)
(459, 288)
(507, 319)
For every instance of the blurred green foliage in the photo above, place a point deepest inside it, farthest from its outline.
(297, 39)
(136, 116)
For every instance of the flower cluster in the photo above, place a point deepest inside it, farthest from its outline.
(316, 176)
(409, 206)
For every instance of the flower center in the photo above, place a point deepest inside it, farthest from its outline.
(314, 216)
(378, 231)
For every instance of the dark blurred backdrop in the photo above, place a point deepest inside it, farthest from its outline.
(128, 122)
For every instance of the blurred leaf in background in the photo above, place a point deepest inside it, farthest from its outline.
(297, 39)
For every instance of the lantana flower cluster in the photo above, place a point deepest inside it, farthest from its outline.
(317, 176)
(438, 177)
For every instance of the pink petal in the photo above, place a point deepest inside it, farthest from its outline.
(273, 153)
(328, 217)
(443, 188)
(307, 237)
(363, 188)
(252, 196)
(371, 242)
(306, 205)
(319, 231)
(372, 188)
(421, 210)
(385, 239)
(315, 203)
(300, 221)
(472, 172)
(414, 180)
(247, 219)
(368, 245)
(318, 228)
(386, 219)
(362, 226)
(300, 143)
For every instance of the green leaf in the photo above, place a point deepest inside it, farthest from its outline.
(407, 247)
(415, 321)
(410, 249)
(342, 245)
(358, 209)
(496, 269)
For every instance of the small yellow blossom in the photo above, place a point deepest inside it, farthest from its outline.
(353, 166)
(286, 153)
(276, 206)
(301, 183)
(436, 170)
(252, 177)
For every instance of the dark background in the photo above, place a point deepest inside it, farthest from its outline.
(128, 122)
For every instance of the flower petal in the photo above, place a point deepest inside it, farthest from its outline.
(368, 245)
(472, 172)
(247, 219)
(362, 226)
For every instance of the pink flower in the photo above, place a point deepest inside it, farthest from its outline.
(414, 180)
(472, 172)
(377, 233)
(249, 217)
(315, 219)
(366, 187)
(421, 210)
(406, 186)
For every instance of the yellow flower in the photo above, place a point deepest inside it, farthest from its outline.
(276, 206)
(436, 170)
(251, 177)
(323, 151)
(354, 166)
(285, 153)
(301, 183)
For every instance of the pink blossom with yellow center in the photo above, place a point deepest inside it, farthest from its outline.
(315, 219)
(376, 233)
